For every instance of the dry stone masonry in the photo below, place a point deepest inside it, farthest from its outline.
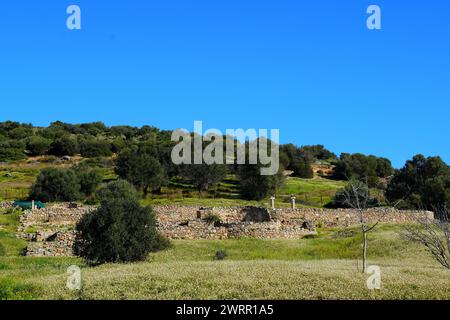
(50, 231)
(6, 205)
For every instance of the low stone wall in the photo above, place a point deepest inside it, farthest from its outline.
(6, 205)
(55, 215)
(172, 214)
(60, 246)
(348, 217)
(51, 230)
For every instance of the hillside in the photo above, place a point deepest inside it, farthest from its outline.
(16, 179)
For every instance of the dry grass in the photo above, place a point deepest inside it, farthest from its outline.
(326, 279)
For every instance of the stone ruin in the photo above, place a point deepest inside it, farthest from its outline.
(6, 204)
(51, 231)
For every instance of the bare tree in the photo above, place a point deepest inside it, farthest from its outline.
(356, 195)
(434, 234)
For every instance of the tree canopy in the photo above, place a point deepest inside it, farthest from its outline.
(120, 230)
(423, 183)
(141, 168)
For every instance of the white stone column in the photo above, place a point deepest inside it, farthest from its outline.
(293, 202)
(272, 203)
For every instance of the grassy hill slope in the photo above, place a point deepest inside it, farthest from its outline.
(17, 178)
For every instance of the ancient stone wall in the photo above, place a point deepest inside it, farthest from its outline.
(60, 245)
(51, 230)
(6, 205)
(172, 214)
(55, 215)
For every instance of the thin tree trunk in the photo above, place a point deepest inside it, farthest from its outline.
(145, 192)
(364, 249)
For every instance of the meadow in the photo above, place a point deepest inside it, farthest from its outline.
(325, 266)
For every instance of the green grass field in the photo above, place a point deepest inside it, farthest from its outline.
(326, 266)
(321, 267)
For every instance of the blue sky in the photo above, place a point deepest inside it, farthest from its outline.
(310, 68)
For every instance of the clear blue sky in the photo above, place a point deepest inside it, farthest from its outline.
(310, 68)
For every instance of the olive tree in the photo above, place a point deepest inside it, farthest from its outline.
(204, 176)
(54, 184)
(141, 169)
(120, 230)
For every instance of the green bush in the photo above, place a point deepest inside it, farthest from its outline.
(91, 148)
(345, 197)
(364, 168)
(89, 179)
(421, 183)
(141, 168)
(255, 186)
(11, 154)
(64, 146)
(121, 230)
(204, 176)
(54, 184)
(302, 169)
(220, 255)
(38, 145)
(213, 218)
(319, 152)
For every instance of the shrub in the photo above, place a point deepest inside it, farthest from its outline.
(308, 224)
(38, 145)
(204, 176)
(11, 154)
(121, 230)
(91, 148)
(220, 255)
(302, 168)
(319, 152)
(341, 200)
(91, 200)
(255, 186)
(364, 168)
(141, 168)
(54, 184)
(89, 179)
(64, 146)
(20, 133)
(421, 183)
(213, 218)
